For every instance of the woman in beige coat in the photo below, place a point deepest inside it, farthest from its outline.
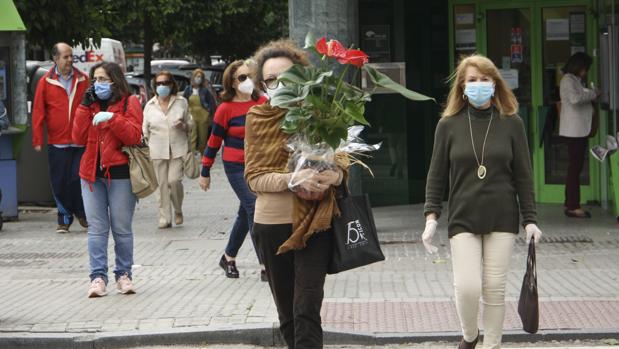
(167, 124)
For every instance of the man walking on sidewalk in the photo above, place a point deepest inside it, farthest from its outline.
(58, 95)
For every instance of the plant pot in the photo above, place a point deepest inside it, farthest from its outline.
(318, 162)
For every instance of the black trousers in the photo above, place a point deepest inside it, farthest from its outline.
(64, 167)
(297, 280)
(576, 150)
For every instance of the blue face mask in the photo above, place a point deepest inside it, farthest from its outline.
(103, 90)
(163, 91)
(479, 92)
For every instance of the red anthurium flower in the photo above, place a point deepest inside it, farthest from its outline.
(321, 46)
(355, 57)
(333, 48)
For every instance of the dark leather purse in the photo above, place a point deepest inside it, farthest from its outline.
(528, 306)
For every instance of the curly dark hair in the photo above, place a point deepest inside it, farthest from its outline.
(279, 48)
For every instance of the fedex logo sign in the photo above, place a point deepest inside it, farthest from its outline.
(87, 57)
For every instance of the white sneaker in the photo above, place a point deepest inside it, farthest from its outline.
(599, 153)
(97, 288)
(125, 285)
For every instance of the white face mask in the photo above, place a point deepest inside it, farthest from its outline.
(271, 92)
(246, 86)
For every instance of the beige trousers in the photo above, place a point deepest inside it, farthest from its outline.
(480, 264)
(169, 175)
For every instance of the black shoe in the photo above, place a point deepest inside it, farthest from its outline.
(573, 214)
(229, 267)
(263, 276)
(468, 345)
(83, 222)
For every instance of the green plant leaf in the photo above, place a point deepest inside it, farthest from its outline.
(283, 97)
(289, 127)
(382, 80)
(289, 96)
(297, 74)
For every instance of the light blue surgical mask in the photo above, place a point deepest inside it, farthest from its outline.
(479, 92)
(163, 91)
(103, 90)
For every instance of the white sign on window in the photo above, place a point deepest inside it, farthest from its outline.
(510, 76)
(557, 29)
(465, 18)
(465, 39)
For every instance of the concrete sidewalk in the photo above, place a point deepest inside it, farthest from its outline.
(181, 289)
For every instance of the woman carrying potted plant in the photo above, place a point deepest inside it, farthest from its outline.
(309, 112)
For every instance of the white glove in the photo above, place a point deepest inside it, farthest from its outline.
(533, 232)
(101, 116)
(427, 235)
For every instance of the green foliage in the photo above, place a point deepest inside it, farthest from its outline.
(232, 28)
(322, 105)
(72, 21)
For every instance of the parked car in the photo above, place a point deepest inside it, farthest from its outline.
(139, 87)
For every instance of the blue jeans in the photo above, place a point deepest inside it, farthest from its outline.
(245, 216)
(64, 166)
(109, 203)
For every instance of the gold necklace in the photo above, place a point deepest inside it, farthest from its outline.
(481, 169)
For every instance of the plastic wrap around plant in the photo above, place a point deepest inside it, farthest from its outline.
(320, 157)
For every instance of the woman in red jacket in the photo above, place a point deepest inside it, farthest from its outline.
(108, 119)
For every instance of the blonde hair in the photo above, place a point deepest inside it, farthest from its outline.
(503, 98)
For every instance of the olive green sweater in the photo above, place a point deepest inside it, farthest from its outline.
(492, 204)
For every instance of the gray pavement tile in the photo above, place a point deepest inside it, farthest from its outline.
(44, 276)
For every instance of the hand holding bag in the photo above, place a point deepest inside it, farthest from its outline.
(355, 238)
(528, 306)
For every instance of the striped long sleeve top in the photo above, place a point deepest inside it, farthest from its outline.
(229, 129)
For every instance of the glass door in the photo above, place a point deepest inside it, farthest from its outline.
(563, 33)
(529, 43)
(508, 41)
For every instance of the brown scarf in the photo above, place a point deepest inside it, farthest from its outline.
(266, 152)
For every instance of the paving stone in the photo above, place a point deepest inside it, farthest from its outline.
(44, 275)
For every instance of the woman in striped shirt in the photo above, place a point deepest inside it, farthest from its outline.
(239, 94)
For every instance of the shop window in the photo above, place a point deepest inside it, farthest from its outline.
(465, 32)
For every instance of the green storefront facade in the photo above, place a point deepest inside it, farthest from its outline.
(529, 41)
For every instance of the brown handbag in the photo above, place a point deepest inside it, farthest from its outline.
(528, 306)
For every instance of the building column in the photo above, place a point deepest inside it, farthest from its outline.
(19, 87)
(336, 20)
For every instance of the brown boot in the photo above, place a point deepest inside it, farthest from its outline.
(468, 345)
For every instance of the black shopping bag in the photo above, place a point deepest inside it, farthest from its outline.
(355, 239)
(528, 306)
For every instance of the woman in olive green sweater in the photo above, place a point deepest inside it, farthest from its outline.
(481, 154)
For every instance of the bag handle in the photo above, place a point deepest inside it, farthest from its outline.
(531, 264)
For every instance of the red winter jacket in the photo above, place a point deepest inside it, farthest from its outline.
(107, 138)
(54, 107)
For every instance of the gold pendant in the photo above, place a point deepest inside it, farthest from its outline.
(481, 172)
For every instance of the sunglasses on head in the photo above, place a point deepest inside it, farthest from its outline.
(163, 83)
(242, 77)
